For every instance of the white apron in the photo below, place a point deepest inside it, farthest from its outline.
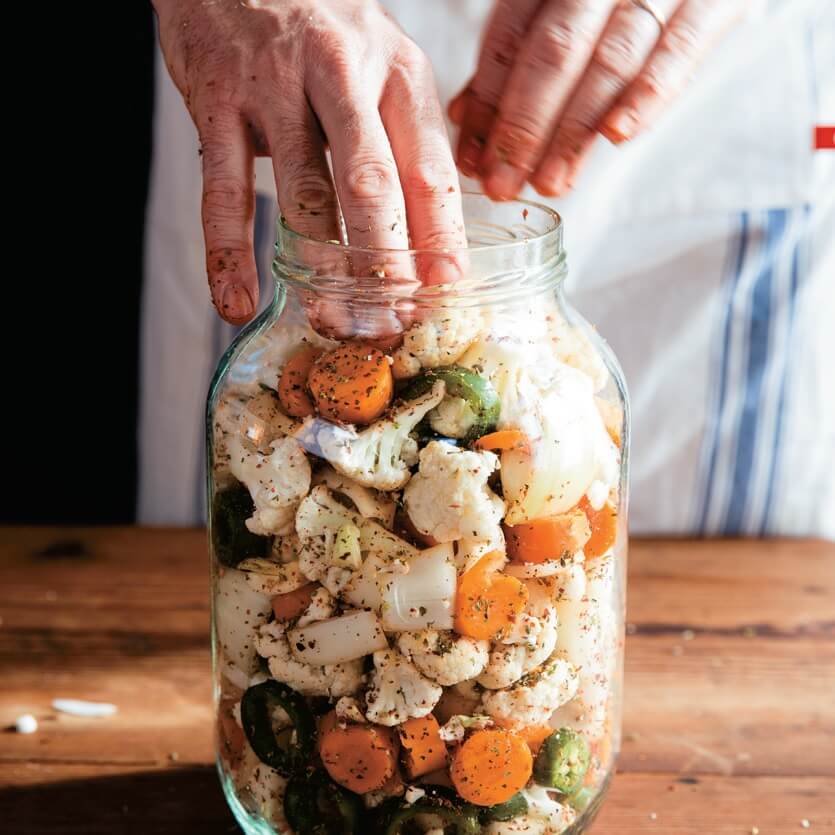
(703, 251)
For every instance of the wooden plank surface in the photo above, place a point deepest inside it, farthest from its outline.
(729, 720)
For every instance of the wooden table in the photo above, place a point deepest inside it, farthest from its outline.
(730, 693)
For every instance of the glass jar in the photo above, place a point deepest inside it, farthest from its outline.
(417, 493)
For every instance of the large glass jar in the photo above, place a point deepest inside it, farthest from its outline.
(417, 497)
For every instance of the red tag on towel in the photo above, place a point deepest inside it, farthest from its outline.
(825, 137)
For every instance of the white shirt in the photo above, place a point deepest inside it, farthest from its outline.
(703, 251)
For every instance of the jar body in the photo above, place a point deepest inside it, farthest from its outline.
(418, 564)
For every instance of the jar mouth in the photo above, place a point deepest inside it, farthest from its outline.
(537, 223)
(515, 250)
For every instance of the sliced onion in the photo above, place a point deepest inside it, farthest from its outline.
(419, 593)
(337, 640)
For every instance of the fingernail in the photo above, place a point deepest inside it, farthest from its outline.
(236, 304)
(469, 156)
(619, 126)
(504, 181)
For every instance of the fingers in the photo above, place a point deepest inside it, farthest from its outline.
(626, 42)
(505, 31)
(303, 182)
(690, 33)
(228, 212)
(548, 66)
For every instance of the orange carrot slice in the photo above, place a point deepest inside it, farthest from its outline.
(362, 758)
(548, 539)
(604, 528)
(291, 604)
(292, 385)
(488, 602)
(421, 748)
(352, 383)
(504, 439)
(491, 766)
(535, 735)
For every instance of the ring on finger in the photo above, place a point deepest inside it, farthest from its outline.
(650, 7)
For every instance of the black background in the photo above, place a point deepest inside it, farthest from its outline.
(79, 109)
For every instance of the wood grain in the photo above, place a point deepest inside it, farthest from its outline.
(729, 721)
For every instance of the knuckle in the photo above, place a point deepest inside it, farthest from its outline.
(682, 40)
(427, 176)
(308, 191)
(226, 197)
(554, 45)
(518, 137)
(617, 55)
(368, 179)
(412, 58)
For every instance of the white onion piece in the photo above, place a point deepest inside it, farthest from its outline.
(363, 590)
(239, 611)
(549, 568)
(419, 593)
(337, 640)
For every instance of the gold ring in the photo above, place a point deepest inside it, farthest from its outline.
(651, 8)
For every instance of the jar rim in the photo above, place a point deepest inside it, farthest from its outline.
(554, 231)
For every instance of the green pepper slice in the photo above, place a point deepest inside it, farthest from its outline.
(315, 805)
(472, 388)
(562, 761)
(257, 706)
(231, 538)
(439, 801)
(512, 808)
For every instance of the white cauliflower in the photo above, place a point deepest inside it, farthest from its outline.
(449, 498)
(371, 504)
(442, 656)
(261, 788)
(380, 455)
(321, 607)
(332, 680)
(398, 691)
(554, 405)
(348, 710)
(545, 816)
(531, 645)
(534, 697)
(262, 421)
(437, 340)
(456, 727)
(319, 519)
(276, 482)
(453, 417)
(272, 578)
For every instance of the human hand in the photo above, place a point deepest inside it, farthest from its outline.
(286, 79)
(552, 75)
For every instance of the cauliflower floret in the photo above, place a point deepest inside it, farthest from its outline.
(444, 657)
(449, 498)
(534, 697)
(332, 680)
(371, 504)
(532, 643)
(276, 482)
(545, 816)
(437, 340)
(262, 421)
(380, 455)
(453, 417)
(321, 607)
(319, 519)
(398, 691)
(348, 710)
(261, 787)
(456, 727)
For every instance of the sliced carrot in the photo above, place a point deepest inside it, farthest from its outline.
(548, 539)
(362, 758)
(604, 528)
(352, 383)
(504, 439)
(535, 735)
(292, 385)
(291, 604)
(488, 602)
(421, 748)
(491, 766)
